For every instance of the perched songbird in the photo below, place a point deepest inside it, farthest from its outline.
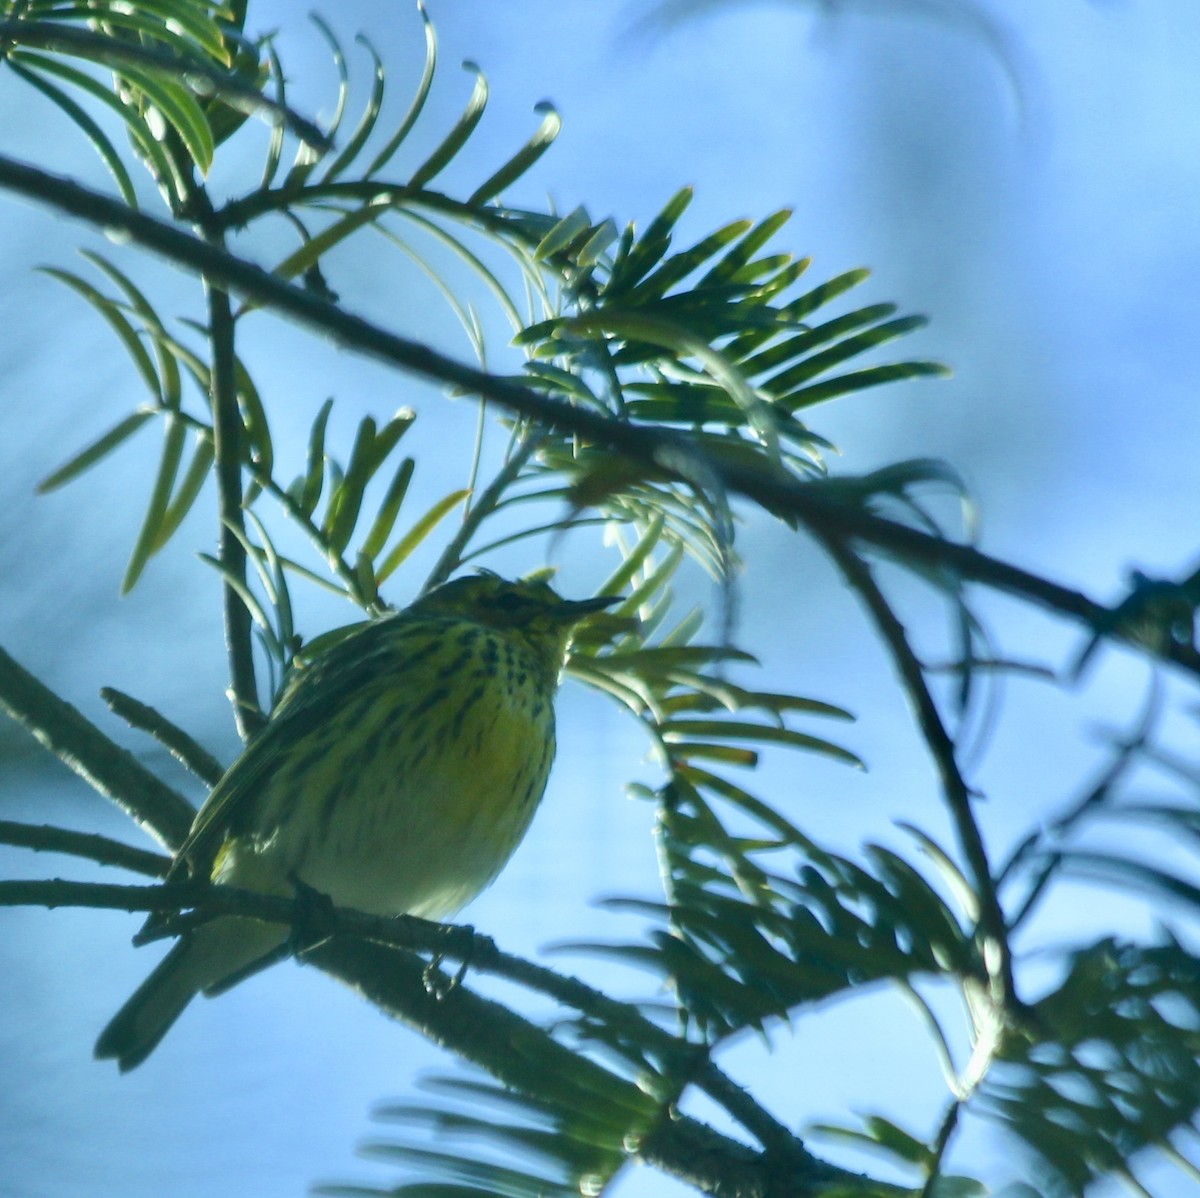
(397, 774)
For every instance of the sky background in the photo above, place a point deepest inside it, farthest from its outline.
(1025, 175)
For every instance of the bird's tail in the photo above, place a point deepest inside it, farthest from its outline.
(214, 954)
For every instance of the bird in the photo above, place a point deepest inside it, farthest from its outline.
(396, 775)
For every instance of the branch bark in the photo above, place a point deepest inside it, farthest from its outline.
(227, 460)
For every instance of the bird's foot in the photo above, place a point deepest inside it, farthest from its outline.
(459, 941)
(314, 921)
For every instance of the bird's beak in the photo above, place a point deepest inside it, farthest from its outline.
(573, 610)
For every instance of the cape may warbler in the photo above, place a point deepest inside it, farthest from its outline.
(397, 774)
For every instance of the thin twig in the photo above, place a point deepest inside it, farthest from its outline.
(485, 504)
(227, 437)
(492, 219)
(104, 896)
(478, 951)
(45, 838)
(78, 743)
(945, 1131)
(942, 749)
(690, 1061)
(188, 752)
(336, 562)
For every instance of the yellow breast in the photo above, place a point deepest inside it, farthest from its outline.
(419, 807)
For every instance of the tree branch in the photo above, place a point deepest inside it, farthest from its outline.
(231, 552)
(376, 957)
(46, 838)
(79, 744)
(954, 788)
(102, 896)
(689, 1063)
(484, 505)
(228, 435)
(658, 448)
(189, 753)
(522, 1055)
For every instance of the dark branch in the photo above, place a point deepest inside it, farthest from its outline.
(228, 436)
(522, 1055)
(77, 742)
(689, 1063)
(659, 449)
(45, 838)
(103, 896)
(361, 950)
(942, 749)
(484, 506)
(227, 457)
(192, 755)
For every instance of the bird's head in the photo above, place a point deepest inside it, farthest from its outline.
(531, 608)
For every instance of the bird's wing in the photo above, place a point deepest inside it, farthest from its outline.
(366, 659)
